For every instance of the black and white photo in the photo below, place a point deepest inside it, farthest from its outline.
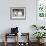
(17, 13)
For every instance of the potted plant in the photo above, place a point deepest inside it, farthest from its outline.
(39, 35)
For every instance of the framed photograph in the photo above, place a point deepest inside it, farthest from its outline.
(17, 13)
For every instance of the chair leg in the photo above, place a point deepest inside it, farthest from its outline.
(5, 43)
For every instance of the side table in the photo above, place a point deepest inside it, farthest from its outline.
(8, 34)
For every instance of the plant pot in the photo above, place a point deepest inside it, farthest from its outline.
(40, 40)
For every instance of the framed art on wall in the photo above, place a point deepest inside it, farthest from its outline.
(41, 12)
(17, 13)
(41, 8)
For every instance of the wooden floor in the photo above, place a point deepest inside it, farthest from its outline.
(13, 44)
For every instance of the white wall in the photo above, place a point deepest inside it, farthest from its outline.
(24, 25)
